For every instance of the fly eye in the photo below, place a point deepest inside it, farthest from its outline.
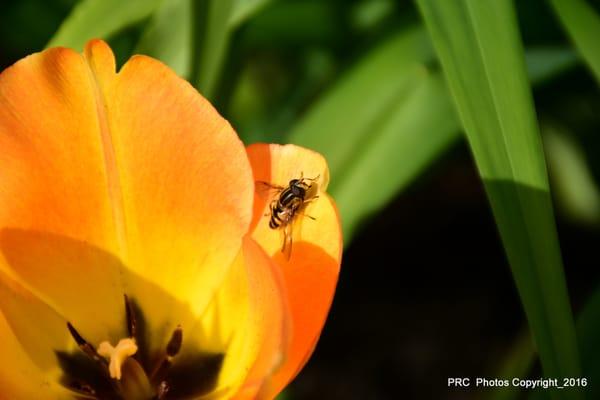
(294, 182)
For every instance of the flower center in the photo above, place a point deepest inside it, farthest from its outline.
(121, 372)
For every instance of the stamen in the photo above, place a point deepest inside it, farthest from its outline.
(131, 321)
(84, 345)
(173, 348)
(174, 344)
(117, 355)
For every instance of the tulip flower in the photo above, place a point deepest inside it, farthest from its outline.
(136, 257)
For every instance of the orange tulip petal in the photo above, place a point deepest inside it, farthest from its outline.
(312, 271)
(182, 183)
(135, 163)
(53, 178)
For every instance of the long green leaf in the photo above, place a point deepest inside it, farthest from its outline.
(573, 185)
(583, 26)
(212, 45)
(100, 19)
(243, 9)
(336, 123)
(168, 36)
(417, 128)
(544, 63)
(480, 50)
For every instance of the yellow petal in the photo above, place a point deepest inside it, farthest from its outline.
(246, 322)
(32, 334)
(20, 377)
(80, 281)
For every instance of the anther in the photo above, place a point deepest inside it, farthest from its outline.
(130, 314)
(78, 338)
(174, 344)
(84, 345)
(172, 349)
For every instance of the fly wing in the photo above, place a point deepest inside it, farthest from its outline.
(268, 190)
(286, 248)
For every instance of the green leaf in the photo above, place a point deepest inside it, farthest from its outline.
(481, 54)
(413, 131)
(583, 26)
(100, 19)
(168, 36)
(573, 184)
(212, 44)
(244, 9)
(336, 123)
(543, 63)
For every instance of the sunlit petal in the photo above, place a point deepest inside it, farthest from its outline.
(312, 271)
(54, 180)
(135, 163)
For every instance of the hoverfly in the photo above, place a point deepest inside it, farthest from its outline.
(288, 203)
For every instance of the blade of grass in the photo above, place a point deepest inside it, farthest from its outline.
(100, 19)
(417, 127)
(582, 23)
(574, 187)
(543, 63)
(337, 123)
(168, 36)
(481, 54)
(212, 43)
(244, 9)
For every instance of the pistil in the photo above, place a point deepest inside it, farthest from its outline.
(117, 355)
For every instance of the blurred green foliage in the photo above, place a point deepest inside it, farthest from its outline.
(359, 81)
(582, 23)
